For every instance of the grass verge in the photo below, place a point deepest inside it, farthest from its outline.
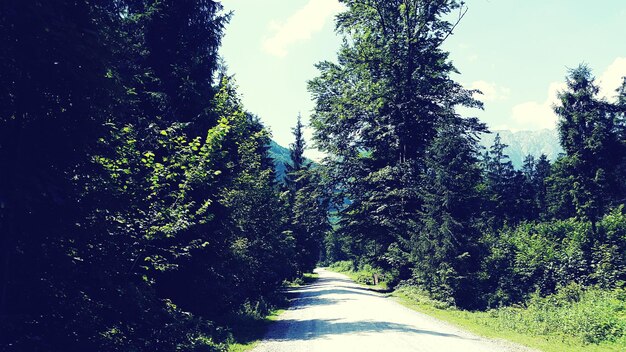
(363, 276)
(575, 319)
(249, 329)
(526, 326)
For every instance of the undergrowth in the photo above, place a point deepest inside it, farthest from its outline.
(364, 274)
(250, 324)
(573, 319)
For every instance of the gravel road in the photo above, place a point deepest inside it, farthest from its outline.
(335, 314)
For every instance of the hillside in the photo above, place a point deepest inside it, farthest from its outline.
(281, 156)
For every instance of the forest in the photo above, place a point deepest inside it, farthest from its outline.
(140, 209)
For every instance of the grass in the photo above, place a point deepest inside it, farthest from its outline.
(364, 276)
(248, 332)
(305, 279)
(554, 329)
(575, 319)
(249, 329)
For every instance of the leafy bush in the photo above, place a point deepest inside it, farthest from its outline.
(591, 315)
(363, 274)
(538, 258)
(343, 266)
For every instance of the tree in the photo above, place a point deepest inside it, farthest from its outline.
(377, 111)
(299, 164)
(310, 219)
(54, 101)
(542, 172)
(445, 250)
(137, 204)
(504, 187)
(307, 204)
(587, 134)
(620, 125)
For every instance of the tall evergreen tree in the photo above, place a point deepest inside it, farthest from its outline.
(587, 134)
(542, 172)
(620, 126)
(308, 203)
(377, 111)
(298, 163)
(503, 187)
(445, 252)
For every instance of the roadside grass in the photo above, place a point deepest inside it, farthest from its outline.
(248, 330)
(249, 327)
(305, 279)
(364, 276)
(575, 319)
(593, 321)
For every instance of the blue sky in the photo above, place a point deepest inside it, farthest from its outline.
(516, 52)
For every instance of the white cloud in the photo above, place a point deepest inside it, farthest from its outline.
(533, 115)
(491, 91)
(300, 26)
(611, 79)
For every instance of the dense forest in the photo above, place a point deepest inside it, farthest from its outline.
(419, 200)
(140, 209)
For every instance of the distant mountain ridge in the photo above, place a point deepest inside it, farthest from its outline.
(522, 143)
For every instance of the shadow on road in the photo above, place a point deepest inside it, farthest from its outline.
(318, 328)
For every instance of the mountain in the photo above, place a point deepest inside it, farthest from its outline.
(281, 157)
(522, 143)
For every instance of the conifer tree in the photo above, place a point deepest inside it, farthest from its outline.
(298, 163)
(502, 186)
(307, 204)
(587, 134)
(446, 253)
(377, 111)
(542, 172)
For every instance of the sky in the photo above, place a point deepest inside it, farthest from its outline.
(516, 52)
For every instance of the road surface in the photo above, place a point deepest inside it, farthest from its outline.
(335, 314)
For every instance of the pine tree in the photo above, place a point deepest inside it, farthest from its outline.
(307, 205)
(528, 190)
(298, 163)
(542, 172)
(446, 251)
(502, 186)
(377, 111)
(620, 126)
(587, 134)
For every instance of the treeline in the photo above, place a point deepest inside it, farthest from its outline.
(417, 198)
(138, 205)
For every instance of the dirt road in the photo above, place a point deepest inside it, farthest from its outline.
(335, 314)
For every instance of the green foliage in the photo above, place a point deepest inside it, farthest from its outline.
(342, 266)
(364, 274)
(539, 258)
(307, 202)
(160, 217)
(378, 111)
(590, 170)
(445, 252)
(140, 210)
(592, 316)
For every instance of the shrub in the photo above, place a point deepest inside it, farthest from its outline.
(591, 315)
